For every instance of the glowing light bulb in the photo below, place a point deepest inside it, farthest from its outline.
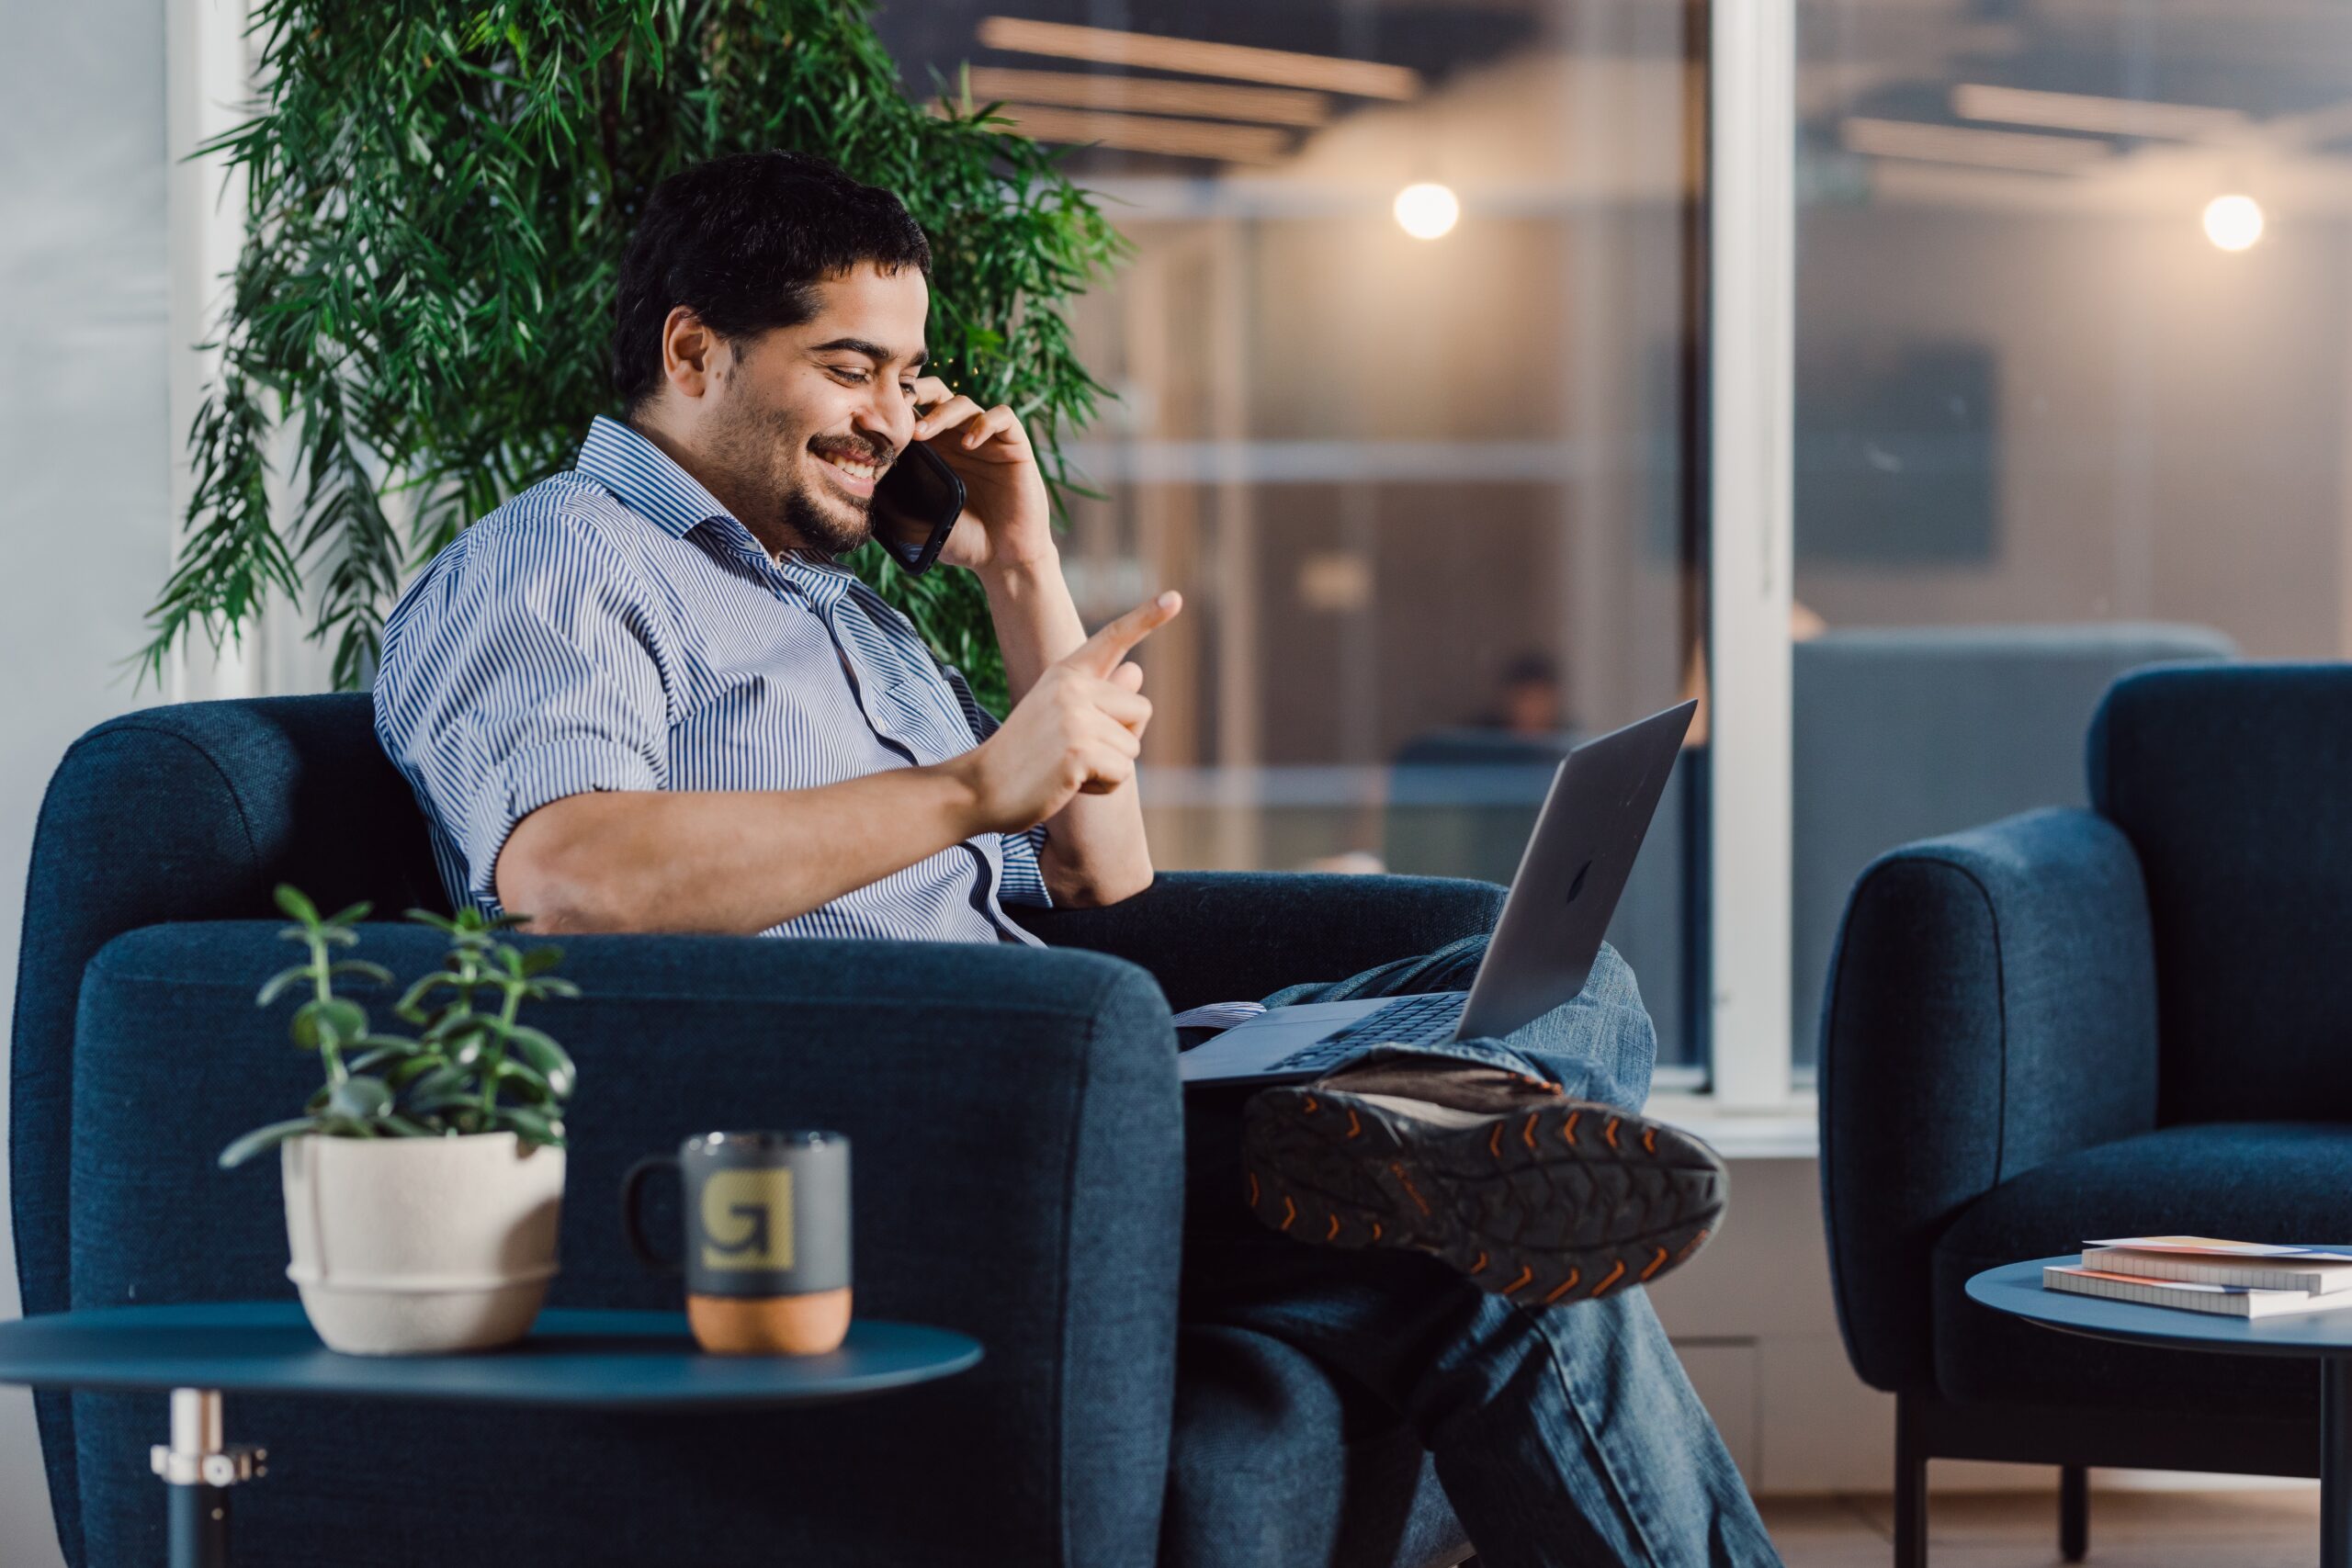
(1427, 211)
(2234, 222)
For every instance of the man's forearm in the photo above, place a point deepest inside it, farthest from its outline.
(1095, 852)
(732, 861)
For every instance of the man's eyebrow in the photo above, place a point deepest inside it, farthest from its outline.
(873, 350)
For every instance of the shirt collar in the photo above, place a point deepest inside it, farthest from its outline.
(648, 482)
(654, 487)
(822, 580)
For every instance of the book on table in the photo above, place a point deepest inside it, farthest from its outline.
(2314, 1270)
(2233, 1278)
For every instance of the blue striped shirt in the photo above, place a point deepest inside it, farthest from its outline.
(614, 628)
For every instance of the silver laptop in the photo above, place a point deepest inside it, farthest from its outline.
(1590, 827)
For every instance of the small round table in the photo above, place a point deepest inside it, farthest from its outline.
(603, 1360)
(2324, 1336)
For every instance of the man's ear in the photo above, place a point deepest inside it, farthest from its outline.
(691, 352)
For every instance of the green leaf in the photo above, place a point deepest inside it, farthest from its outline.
(359, 1099)
(275, 986)
(290, 900)
(539, 960)
(374, 973)
(553, 1063)
(262, 1138)
(532, 1126)
(351, 914)
(317, 1022)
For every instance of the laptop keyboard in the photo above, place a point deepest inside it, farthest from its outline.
(1408, 1021)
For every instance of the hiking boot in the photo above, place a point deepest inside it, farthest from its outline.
(1532, 1194)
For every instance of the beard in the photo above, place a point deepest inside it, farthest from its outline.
(765, 454)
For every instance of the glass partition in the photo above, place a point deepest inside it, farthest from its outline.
(2073, 344)
(1405, 394)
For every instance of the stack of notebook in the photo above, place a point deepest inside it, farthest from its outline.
(2197, 1273)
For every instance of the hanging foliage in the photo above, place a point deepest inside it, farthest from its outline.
(437, 200)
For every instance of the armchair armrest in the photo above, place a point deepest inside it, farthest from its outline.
(1215, 936)
(1014, 1116)
(1991, 1007)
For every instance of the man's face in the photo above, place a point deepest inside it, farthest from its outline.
(804, 419)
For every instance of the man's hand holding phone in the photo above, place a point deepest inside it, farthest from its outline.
(1078, 731)
(1007, 520)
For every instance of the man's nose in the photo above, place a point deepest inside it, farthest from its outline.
(888, 418)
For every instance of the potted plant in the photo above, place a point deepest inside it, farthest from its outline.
(424, 1180)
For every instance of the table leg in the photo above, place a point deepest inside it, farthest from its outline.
(199, 1468)
(2335, 1461)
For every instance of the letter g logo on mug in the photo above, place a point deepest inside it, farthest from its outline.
(747, 1219)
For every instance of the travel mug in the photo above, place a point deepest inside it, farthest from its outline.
(766, 1258)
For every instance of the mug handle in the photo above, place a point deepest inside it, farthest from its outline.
(632, 1227)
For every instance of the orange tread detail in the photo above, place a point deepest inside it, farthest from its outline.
(1564, 1286)
(1253, 1189)
(1527, 1134)
(1568, 1128)
(1610, 1131)
(1333, 1234)
(1495, 1141)
(1405, 1181)
(1480, 1266)
(1290, 1212)
(1649, 1140)
(1525, 1274)
(1355, 1128)
(1656, 1264)
(1310, 1102)
(1613, 1274)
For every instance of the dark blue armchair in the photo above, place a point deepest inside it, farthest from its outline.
(1018, 1128)
(2131, 1019)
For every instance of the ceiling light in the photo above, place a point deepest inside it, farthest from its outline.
(2016, 149)
(1427, 211)
(1208, 100)
(2234, 222)
(2107, 117)
(1108, 46)
(1148, 133)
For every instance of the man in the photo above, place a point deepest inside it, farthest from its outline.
(643, 695)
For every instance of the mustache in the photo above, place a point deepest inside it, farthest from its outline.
(857, 449)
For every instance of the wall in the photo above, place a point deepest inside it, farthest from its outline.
(85, 445)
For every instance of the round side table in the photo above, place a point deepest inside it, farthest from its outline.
(2324, 1336)
(603, 1361)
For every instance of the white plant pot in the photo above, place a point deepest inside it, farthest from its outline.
(407, 1246)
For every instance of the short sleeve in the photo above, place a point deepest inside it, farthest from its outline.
(525, 666)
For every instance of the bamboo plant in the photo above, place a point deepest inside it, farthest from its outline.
(438, 196)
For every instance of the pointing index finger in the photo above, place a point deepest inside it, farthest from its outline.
(1101, 654)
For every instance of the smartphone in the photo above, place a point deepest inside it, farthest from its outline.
(915, 506)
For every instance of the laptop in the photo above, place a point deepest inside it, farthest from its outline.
(1591, 825)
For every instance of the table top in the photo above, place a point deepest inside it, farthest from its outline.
(609, 1361)
(2015, 1289)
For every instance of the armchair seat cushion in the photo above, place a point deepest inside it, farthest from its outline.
(2265, 1181)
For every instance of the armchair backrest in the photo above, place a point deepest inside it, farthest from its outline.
(188, 812)
(2234, 782)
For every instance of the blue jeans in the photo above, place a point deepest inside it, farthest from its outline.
(1563, 1436)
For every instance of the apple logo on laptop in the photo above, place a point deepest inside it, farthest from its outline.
(1576, 885)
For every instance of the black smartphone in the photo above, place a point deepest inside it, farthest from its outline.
(915, 507)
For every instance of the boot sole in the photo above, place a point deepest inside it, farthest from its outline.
(1548, 1205)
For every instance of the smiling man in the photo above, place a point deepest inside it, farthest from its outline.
(645, 695)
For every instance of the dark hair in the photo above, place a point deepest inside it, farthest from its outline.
(741, 242)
